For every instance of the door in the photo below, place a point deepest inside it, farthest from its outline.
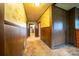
(58, 27)
(36, 30)
(32, 30)
(58, 34)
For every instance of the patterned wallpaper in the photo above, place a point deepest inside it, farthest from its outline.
(15, 13)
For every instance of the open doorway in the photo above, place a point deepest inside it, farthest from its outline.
(39, 31)
(32, 30)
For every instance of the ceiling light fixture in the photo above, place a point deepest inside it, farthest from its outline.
(37, 4)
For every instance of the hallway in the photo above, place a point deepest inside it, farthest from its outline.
(49, 29)
(36, 47)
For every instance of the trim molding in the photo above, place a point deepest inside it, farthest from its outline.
(12, 24)
(42, 14)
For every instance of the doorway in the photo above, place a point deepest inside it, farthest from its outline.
(32, 30)
(39, 31)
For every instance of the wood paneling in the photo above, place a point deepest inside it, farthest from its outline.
(1, 29)
(59, 15)
(73, 14)
(14, 29)
(36, 32)
(71, 24)
(46, 35)
(77, 30)
(14, 40)
(77, 37)
(45, 26)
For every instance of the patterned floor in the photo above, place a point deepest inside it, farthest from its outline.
(35, 47)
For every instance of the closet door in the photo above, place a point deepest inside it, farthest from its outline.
(58, 39)
(37, 30)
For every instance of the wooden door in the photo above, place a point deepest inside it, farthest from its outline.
(58, 27)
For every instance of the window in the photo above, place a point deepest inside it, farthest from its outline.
(58, 26)
(77, 24)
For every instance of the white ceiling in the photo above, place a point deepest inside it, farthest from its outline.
(67, 6)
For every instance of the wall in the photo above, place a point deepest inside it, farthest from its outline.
(45, 26)
(77, 30)
(45, 19)
(15, 13)
(14, 39)
(73, 32)
(77, 38)
(71, 24)
(1, 29)
(14, 29)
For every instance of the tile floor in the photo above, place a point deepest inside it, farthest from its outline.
(35, 47)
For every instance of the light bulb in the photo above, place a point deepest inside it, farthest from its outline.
(37, 4)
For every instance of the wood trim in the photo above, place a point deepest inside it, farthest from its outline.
(54, 4)
(77, 29)
(53, 17)
(25, 13)
(12, 24)
(74, 8)
(46, 36)
(42, 14)
(60, 8)
(72, 16)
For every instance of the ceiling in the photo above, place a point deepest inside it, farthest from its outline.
(34, 12)
(67, 6)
